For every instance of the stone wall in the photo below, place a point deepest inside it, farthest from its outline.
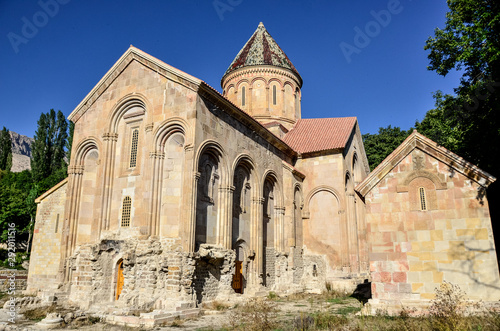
(157, 274)
(270, 267)
(18, 277)
(46, 246)
(427, 223)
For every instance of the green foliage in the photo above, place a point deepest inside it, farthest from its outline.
(20, 257)
(470, 42)
(441, 128)
(5, 150)
(16, 204)
(48, 163)
(69, 142)
(379, 146)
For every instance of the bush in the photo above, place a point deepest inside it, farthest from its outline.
(19, 259)
(255, 315)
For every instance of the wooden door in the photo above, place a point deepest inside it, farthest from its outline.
(119, 280)
(238, 278)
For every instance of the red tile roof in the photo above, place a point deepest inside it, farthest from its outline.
(320, 134)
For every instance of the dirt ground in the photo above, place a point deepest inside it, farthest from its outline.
(222, 315)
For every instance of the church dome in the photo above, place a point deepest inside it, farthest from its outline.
(261, 49)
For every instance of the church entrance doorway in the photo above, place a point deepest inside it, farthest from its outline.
(238, 277)
(119, 279)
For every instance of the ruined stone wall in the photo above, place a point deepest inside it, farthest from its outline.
(414, 248)
(157, 274)
(314, 273)
(270, 267)
(45, 251)
(298, 265)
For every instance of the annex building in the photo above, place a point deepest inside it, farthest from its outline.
(178, 195)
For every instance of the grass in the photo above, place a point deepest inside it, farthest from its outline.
(38, 314)
(335, 310)
(348, 310)
(216, 305)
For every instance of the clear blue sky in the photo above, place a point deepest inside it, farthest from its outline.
(385, 83)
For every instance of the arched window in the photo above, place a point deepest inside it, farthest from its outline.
(274, 94)
(423, 202)
(243, 95)
(126, 208)
(133, 148)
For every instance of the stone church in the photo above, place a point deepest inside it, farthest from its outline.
(178, 195)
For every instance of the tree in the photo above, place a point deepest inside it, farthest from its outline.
(48, 163)
(470, 42)
(379, 146)
(14, 204)
(69, 143)
(444, 130)
(5, 150)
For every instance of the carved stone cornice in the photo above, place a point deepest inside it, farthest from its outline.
(259, 201)
(229, 188)
(196, 175)
(263, 69)
(111, 136)
(75, 170)
(280, 210)
(157, 155)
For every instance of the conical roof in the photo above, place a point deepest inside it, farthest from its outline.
(261, 49)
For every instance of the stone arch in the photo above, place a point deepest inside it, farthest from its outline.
(169, 127)
(211, 189)
(349, 186)
(288, 100)
(352, 222)
(245, 190)
(248, 161)
(230, 93)
(277, 80)
(307, 200)
(83, 147)
(259, 95)
(125, 104)
(168, 176)
(86, 167)
(356, 169)
(272, 175)
(243, 81)
(298, 98)
(272, 225)
(229, 87)
(118, 261)
(217, 150)
(255, 79)
(425, 174)
(298, 205)
(430, 194)
(325, 227)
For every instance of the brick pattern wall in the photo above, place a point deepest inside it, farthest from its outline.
(413, 251)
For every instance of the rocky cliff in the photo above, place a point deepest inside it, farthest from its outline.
(21, 152)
